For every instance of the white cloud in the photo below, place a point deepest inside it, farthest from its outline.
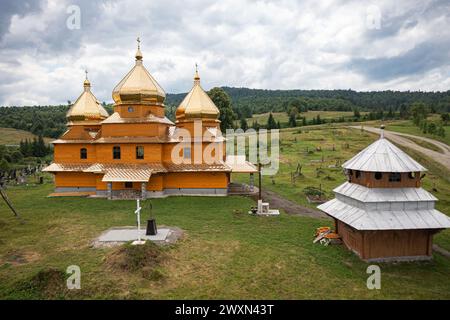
(260, 44)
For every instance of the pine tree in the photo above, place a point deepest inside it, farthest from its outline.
(271, 124)
(4, 166)
(255, 125)
(244, 125)
(41, 147)
(292, 121)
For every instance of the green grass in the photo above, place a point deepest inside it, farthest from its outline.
(223, 254)
(282, 117)
(406, 126)
(10, 136)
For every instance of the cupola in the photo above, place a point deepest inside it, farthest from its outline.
(138, 86)
(197, 104)
(86, 107)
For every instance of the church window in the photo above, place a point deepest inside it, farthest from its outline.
(139, 152)
(378, 175)
(116, 152)
(83, 153)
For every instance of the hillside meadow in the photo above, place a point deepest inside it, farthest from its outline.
(10, 136)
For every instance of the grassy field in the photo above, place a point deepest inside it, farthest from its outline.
(282, 117)
(10, 136)
(406, 126)
(224, 254)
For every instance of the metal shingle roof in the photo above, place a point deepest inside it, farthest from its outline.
(383, 156)
(238, 164)
(156, 167)
(361, 219)
(364, 194)
(197, 167)
(121, 174)
(67, 167)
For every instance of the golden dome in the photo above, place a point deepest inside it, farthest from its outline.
(86, 107)
(197, 104)
(138, 86)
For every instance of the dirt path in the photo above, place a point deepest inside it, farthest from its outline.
(400, 138)
(290, 207)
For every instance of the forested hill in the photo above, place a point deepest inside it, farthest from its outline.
(253, 101)
(50, 121)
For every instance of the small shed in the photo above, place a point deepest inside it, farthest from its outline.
(382, 213)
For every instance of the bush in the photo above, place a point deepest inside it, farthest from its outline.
(17, 156)
(312, 191)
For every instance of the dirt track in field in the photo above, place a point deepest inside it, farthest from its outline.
(290, 207)
(401, 139)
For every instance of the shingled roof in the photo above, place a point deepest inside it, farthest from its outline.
(383, 156)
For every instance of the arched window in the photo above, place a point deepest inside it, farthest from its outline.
(83, 153)
(116, 152)
(378, 175)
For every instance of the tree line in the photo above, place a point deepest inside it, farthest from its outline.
(241, 103)
(27, 150)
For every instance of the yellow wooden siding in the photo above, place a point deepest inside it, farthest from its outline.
(174, 180)
(131, 130)
(70, 153)
(75, 179)
(152, 153)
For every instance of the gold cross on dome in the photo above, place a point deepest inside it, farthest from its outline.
(139, 42)
(85, 71)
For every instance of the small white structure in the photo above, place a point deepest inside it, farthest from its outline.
(264, 209)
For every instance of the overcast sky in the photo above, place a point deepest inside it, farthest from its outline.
(362, 45)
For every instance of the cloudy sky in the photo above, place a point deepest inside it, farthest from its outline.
(341, 44)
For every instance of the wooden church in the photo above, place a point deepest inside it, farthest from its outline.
(381, 212)
(137, 151)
